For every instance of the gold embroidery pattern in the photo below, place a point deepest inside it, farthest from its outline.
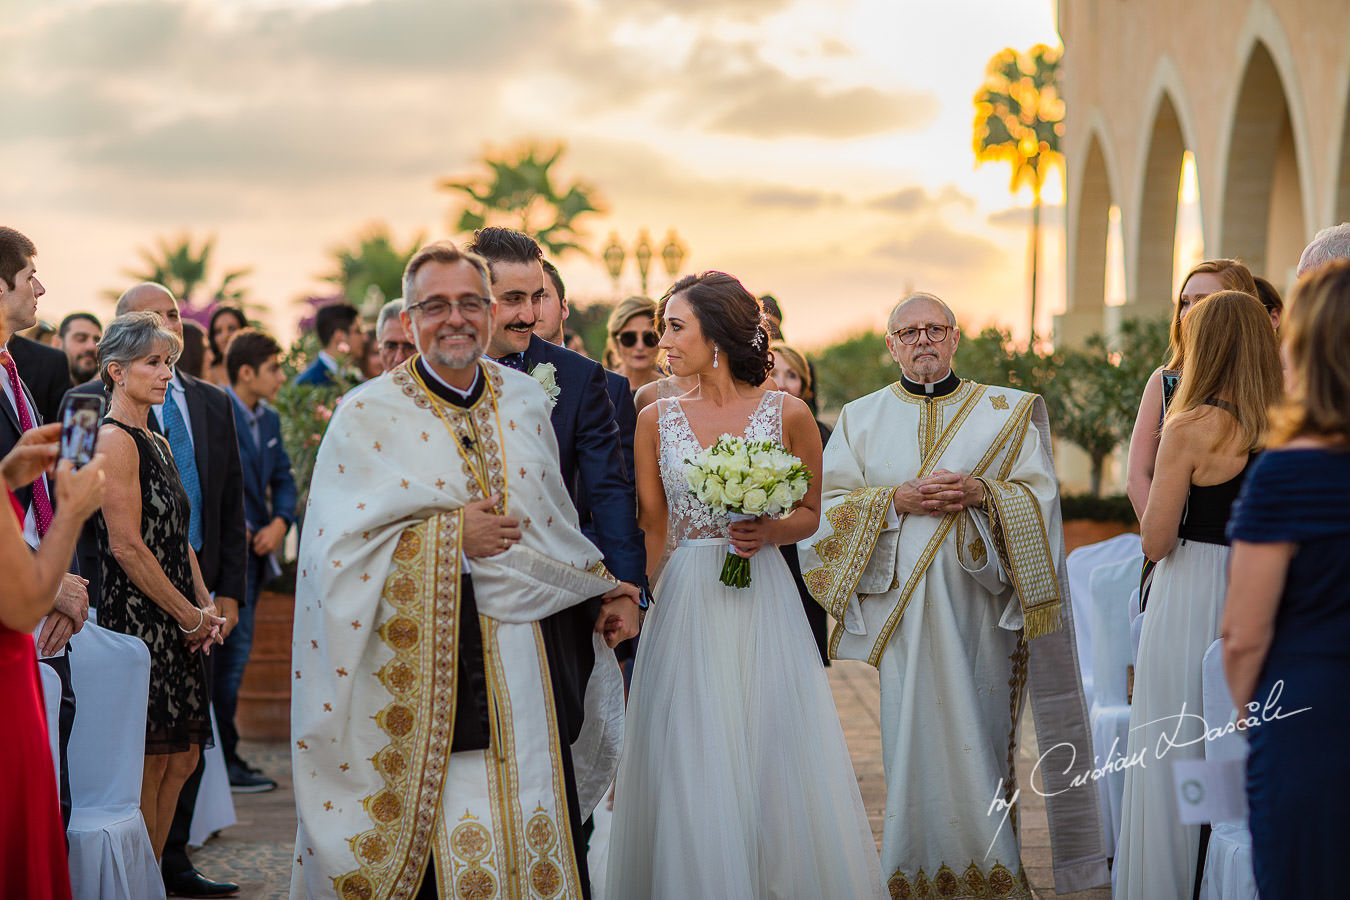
(475, 432)
(999, 401)
(973, 884)
(472, 873)
(423, 632)
(546, 867)
(1024, 548)
(857, 522)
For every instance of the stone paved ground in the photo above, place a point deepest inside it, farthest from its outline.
(256, 852)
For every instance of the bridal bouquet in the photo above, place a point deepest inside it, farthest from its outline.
(746, 479)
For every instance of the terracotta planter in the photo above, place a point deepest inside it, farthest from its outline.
(1081, 532)
(264, 711)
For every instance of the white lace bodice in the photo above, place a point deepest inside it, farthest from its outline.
(687, 517)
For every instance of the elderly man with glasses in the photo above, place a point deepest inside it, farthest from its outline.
(941, 557)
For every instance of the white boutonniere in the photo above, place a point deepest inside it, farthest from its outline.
(547, 376)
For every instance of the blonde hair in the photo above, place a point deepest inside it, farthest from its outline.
(796, 361)
(1233, 275)
(1317, 338)
(628, 309)
(1231, 346)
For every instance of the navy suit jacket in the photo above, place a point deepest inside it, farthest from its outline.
(593, 470)
(216, 450)
(317, 374)
(265, 468)
(592, 458)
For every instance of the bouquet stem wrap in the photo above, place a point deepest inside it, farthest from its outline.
(736, 568)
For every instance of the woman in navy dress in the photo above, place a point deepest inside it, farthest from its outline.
(1286, 627)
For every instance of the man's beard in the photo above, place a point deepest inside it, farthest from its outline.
(85, 367)
(459, 357)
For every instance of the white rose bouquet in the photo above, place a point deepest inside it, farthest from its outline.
(746, 479)
(547, 376)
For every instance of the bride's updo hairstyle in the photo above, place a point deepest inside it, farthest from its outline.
(730, 317)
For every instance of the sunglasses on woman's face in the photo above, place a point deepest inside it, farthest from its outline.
(630, 338)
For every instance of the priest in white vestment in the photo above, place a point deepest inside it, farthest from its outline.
(940, 556)
(425, 750)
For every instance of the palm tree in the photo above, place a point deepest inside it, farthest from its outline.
(374, 261)
(183, 269)
(521, 190)
(1019, 119)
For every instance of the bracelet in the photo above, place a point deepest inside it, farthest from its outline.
(201, 617)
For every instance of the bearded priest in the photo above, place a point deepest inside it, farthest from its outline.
(940, 556)
(439, 533)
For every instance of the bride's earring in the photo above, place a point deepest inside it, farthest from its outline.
(714, 356)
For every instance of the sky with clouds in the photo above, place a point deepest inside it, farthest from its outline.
(818, 149)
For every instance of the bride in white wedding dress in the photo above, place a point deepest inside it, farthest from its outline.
(735, 781)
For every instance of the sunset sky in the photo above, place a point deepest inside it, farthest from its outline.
(818, 149)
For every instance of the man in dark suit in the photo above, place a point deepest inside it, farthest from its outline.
(338, 327)
(254, 369)
(77, 337)
(220, 539)
(45, 370)
(20, 411)
(592, 467)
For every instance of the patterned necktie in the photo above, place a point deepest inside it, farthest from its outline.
(42, 504)
(514, 360)
(176, 431)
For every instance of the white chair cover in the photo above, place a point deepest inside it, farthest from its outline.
(215, 804)
(1080, 564)
(1228, 863)
(110, 851)
(1109, 588)
(1136, 629)
(51, 702)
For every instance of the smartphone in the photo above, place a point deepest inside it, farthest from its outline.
(81, 415)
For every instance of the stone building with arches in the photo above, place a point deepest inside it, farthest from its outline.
(1258, 91)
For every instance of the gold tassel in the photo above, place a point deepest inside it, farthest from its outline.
(1041, 621)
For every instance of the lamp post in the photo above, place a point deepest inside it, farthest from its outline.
(643, 254)
(672, 256)
(614, 255)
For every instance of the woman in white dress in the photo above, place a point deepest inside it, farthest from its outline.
(735, 780)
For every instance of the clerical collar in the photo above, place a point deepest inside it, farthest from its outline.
(448, 392)
(940, 388)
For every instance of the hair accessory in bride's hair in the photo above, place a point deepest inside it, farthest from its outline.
(760, 339)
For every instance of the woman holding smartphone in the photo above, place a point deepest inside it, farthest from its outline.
(152, 587)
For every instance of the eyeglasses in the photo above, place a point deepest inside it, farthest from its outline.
(936, 333)
(630, 338)
(437, 308)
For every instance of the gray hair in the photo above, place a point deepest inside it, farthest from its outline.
(447, 253)
(134, 336)
(389, 311)
(1330, 243)
(925, 297)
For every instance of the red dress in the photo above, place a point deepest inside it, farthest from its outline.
(32, 839)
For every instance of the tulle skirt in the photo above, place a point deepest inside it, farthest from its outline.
(735, 781)
(1157, 854)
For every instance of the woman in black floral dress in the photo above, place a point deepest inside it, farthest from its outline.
(152, 588)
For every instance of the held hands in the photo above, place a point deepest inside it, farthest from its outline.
(485, 532)
(938, 494)
(206, 632)
(228, 608)
(619, 616)
(67, 617)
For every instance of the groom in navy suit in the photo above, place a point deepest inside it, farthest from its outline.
(592, 468)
